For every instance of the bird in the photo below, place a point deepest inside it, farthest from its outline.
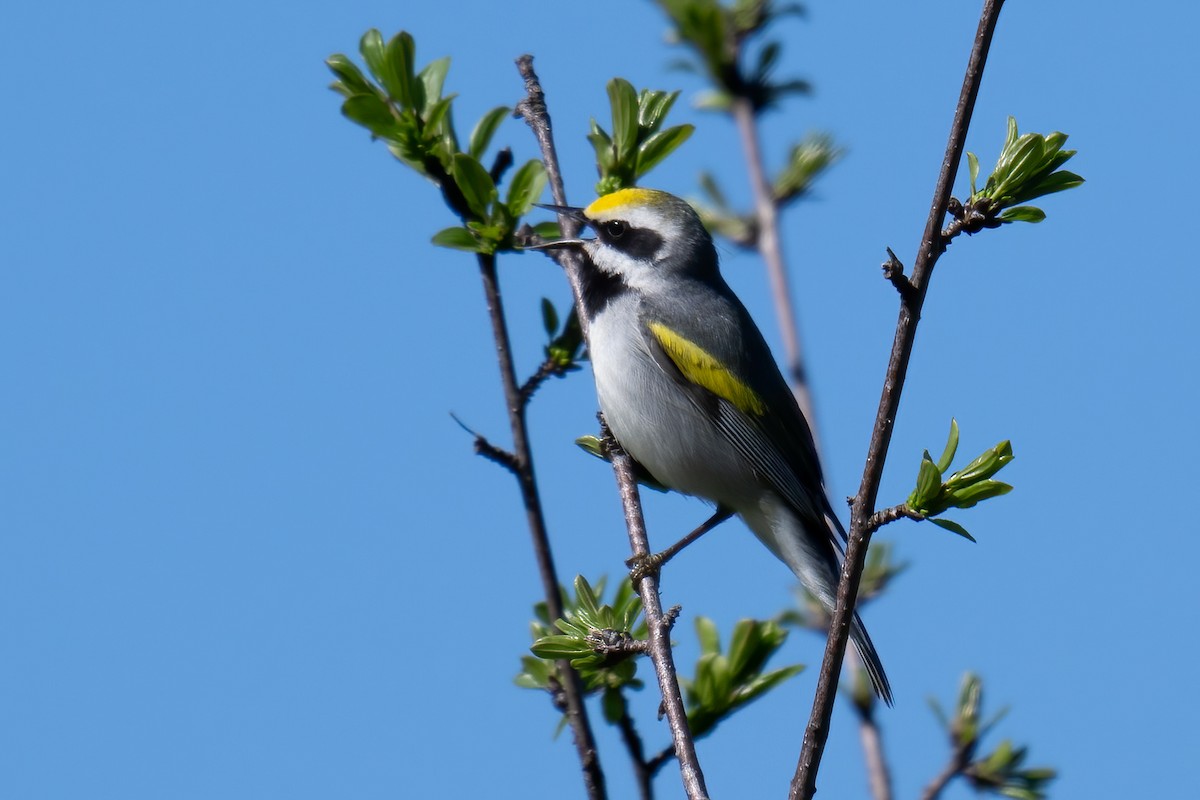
(688, 386)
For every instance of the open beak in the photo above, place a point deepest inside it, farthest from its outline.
(568, 211)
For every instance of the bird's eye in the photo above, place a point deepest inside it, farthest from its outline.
(615, 228)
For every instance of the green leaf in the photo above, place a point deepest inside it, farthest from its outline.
(1058, 182)
(659, 145)
(549, 318)
(613, 704)
(474, 183)
(985, 466)
(973, 168)
(548, 230)
(433, 77)
(767, 57)
(481, 134)
(929, 483)
(978, 492)
(623, 99)
(372, 113)
(653, 108)
(436, 114)
(713, 100)
(457, 238)
(943, 463)
(952, 526)
(602, 144)
(1023, 214)
(349, 74)
(374, 53)
(399, 78)
(535, 673)
(526, 187)
(706, 632)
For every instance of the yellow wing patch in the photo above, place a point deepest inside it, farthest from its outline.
(702, 369)
(615, 201)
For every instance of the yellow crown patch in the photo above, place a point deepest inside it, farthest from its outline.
(623, 198)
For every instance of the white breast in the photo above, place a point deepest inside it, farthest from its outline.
(652, 417)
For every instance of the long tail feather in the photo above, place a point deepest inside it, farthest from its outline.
(870, 659)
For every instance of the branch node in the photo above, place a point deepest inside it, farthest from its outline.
(893, 271)
(491, 452)
(608, 642)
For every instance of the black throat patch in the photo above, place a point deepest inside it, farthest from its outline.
(599, 288)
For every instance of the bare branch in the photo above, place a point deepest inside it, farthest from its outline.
(642, 773)
(547, 369)
(522, 467)
(877, 769)
(532, 108)
(804, 783)
(955, 767)
(659, 624)
(770, 246)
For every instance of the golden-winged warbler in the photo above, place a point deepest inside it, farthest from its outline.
(688, 386)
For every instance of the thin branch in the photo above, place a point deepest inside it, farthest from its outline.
(659, 625)
(889, 515)
(878, 775)
(547, 369)
(642, 773)
(804, 783)
(572, 686)
(955, 767)
(485, 448)
(660, 759)
(532, 108)
(770, 247)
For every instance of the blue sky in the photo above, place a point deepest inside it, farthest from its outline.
(245, 552)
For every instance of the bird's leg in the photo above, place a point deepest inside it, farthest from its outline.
(640, 566)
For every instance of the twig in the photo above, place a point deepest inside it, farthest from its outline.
(547, 369)
(633, 744)
(572, 686)
(532, 108)
(889, 515)
(959, 761)
(659, 625)
(877, 769)
(485, 448)
(878, 775)
(770, 247)
(804, 783)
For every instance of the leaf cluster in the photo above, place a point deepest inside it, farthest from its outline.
(638, 141)
(999, 772)
(1028, 168)
(724, 682)
(594, 636)
(807, 160)
(406, 109)
(717, 34)
(963, 488)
